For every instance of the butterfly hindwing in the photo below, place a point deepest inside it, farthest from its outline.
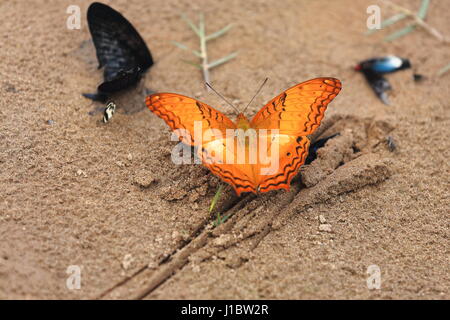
(292, 153)
(379, 84)
(276, 172)
(239, 175)
(123, 79)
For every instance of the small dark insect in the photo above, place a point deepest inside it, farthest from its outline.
(120, 50)
(374, 69)
(312, 154)
(418, 77)
(109, 111)
(392, 146)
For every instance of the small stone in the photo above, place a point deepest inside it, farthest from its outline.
(81, 173)
(144, 180)
(120, 164)
(325, 227)
(222, 240)
(50, 122)
(130, 157)
(322, 219)
(10, 88)
(198, 94)
(127, 261)
(176, 236)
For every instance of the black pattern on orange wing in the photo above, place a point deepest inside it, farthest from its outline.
(298, 153)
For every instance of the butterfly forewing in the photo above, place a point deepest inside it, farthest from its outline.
(184, 113)
(119, 47)
(300, 109)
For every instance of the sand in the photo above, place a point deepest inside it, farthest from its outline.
(108, 199)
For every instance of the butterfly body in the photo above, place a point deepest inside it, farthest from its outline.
(256, 155)
(242, 122)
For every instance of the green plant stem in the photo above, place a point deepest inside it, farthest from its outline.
(205, 66)
(203, 51)
(418, 21)
(444, 70)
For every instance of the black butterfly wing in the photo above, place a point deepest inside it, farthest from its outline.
(122, 79)
(315, 146)
(119, 47)
(378, 83)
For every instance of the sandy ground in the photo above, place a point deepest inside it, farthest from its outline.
(107, 198)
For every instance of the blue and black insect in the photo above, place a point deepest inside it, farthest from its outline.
(375, 69)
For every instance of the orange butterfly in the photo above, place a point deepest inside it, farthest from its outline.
(281, 128)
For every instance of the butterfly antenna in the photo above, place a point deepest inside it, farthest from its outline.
(257, 92)
(224, 99)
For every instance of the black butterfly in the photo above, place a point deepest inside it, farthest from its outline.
(120, 50)
(374, 69)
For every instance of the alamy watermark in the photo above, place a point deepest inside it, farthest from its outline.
(73, 282)
(374, 279)
(235, 146)
(73, 21)
(374, 19)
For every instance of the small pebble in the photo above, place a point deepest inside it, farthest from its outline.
(127, 261)
(144, 180)
(120, 164)
(81, 173)
(10, 88)
(222, 240)
(176, 236)
(325, 227)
